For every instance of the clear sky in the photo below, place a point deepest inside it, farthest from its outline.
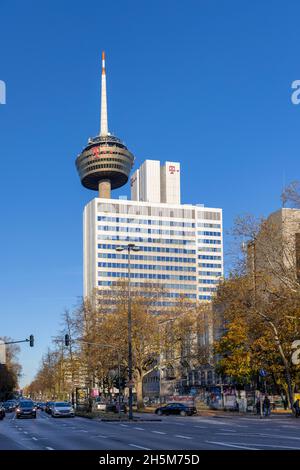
(203, 82)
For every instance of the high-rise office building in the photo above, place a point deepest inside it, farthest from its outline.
(181, 245)
(155, 183)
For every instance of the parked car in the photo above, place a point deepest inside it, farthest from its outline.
(26, 409)
(62, 408)
(2, 411)
(114, 407)
(181, 409)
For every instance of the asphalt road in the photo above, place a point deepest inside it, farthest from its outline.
(178, 433)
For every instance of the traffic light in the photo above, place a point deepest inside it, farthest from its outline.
(67, 340)
(31, 341)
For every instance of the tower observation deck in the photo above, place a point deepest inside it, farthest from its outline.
(105, 163)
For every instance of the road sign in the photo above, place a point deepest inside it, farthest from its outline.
(262, 373)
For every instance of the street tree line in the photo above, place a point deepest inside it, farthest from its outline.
(254, 318)
(98, 347)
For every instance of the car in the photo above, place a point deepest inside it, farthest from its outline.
(48, 406)
(62, 408)
(114, 407)
(2, 411)
(41, 405)
(9, 405)
(26, 409)
(181, 409)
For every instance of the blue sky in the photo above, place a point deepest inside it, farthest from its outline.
(203, 82)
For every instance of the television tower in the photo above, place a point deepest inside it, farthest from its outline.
(105, 162)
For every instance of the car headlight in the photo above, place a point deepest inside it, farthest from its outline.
(18, 409)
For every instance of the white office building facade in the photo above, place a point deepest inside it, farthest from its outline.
(181, 247)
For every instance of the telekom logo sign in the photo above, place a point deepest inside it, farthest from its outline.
(172, 169)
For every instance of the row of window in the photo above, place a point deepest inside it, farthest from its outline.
(106, 159)
(153, 267)
(209, 249)
(209, 234)
(104, 165)
(208, 281)
(209, 265)
(210, 273)
(113, 228)
(141, 284)
(184, 212)
(166, 294)
(212, 257)
(209, 242)
(157, 249)
(167, 241)
(131, 220)
(207, 289)
(208, 225)
(171, 259)
(204, 297)
(146, 276)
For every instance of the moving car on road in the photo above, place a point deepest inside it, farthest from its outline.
(48, 407)
(62, 408)
(2, 411)
(10, 405)
(26, 409)
(181, 409)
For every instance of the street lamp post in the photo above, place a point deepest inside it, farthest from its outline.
(130, 247)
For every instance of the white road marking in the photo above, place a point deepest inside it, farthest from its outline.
(158, 432)
(267, 445)
(103, 437)
(140, 429)
(279, 436)
(49, 448)
(228, 430)
(25, 432)
(34, 438)
(124, 425)
(200, 427)
(231, 445)
(214, 421)
(139, 447)
(182, 437)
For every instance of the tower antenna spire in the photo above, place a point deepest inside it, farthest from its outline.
(103, 118)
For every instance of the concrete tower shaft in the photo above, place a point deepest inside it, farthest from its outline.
(105, 163)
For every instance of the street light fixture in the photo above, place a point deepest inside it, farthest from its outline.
(130, 247)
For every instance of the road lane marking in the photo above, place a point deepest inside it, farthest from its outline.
(158, 432)
(25, 432)
(139, 447)
(140, 429)
(200, 427)
(49, 448)
(268, 445)
(225, 444)
(279, 436)
(34, 438)
(228, 430)
(103, 437)
(124, 425)
(182, 437)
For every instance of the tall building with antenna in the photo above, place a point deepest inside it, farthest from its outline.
(105, 163)
(180, 245)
